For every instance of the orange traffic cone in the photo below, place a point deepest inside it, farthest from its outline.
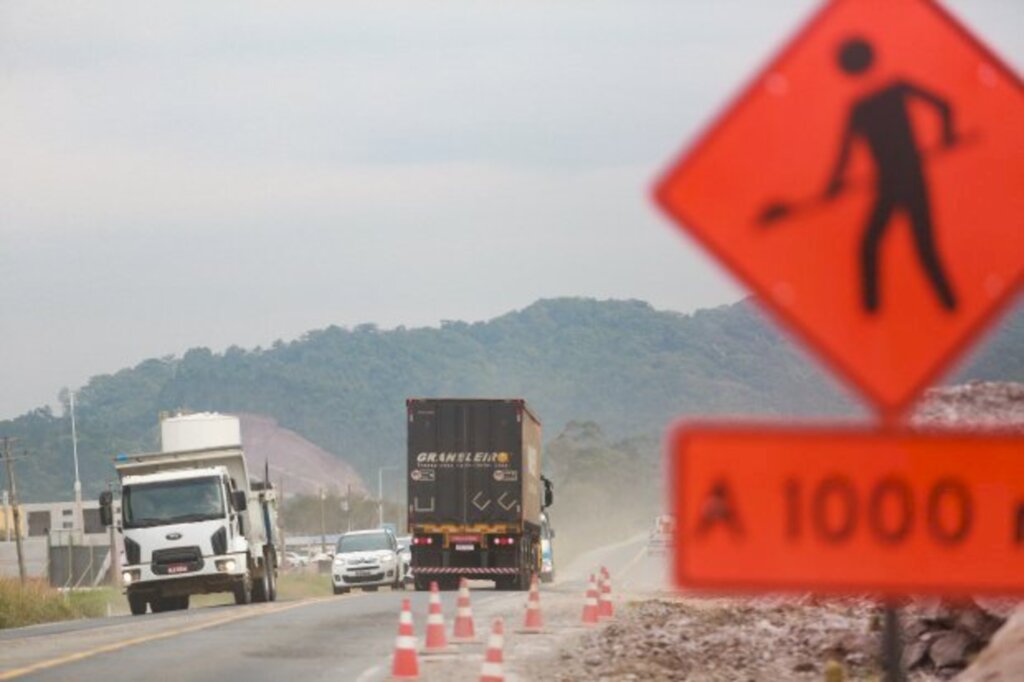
(590, 605)
(493, 669)
(405, 665)
(437, 640)
(534, 622)
(604, 601)
(464, 630)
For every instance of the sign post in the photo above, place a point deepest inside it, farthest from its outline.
(866, 186)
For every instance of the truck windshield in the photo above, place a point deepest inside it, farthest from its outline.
(154, 504)
(363, 543)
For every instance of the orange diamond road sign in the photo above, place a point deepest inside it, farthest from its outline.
(841, 510)
(867, 185)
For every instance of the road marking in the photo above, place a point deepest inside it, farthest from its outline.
(107, 648)
(632, 563)
(369, 673)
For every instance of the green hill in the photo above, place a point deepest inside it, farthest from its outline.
(621, 364)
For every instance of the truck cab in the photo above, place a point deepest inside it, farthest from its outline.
(193, 523)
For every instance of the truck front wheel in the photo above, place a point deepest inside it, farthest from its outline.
(271, 582)
(261, 587)
(243, 590)
(137, 604)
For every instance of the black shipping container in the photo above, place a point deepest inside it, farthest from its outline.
(473, 461)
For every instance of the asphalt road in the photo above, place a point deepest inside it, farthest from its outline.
(349, 637)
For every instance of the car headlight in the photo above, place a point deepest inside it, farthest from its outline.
(338, 561)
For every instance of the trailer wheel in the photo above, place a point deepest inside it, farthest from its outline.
(243, 590)
(137, 604)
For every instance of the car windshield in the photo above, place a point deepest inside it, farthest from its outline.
(154, 504)
(365, 542)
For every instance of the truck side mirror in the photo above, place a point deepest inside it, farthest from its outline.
(549, 493)
(239, 501)
(107, 508)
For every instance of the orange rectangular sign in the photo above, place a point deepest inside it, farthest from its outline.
(848, 510)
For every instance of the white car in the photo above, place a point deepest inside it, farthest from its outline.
(405, 558)
(295, 560)
(366, 559)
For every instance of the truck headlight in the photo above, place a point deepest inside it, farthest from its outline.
(226, 565)
(129, 577)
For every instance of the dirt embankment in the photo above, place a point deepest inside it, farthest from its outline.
(302, 466)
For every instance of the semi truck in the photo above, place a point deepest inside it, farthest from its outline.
(192, 520)
(475, 491)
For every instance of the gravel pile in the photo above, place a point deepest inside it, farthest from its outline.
(723, 639)
(979, 404)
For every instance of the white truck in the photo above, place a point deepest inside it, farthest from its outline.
(194, 523)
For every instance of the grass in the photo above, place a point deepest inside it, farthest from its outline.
(36, 602)
(301, 585)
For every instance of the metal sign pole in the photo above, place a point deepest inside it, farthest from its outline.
(892, 645)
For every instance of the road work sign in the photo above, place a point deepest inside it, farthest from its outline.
(867, 185)
(843, 510)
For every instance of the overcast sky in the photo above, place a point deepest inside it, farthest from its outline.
(180, 174)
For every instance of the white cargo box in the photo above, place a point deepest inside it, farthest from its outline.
(200, 431)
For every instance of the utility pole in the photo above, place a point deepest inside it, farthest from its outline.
(348, 507)
(115, 567)
(380, 493)
(7, 514)
(79, 516)
(323, 523)
(7, 442)
(281, 520)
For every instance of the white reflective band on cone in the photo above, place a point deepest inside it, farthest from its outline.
(405, 618)
(435, 619)
(405, 642)
(496, 642)
(491, 670)
(465, 611)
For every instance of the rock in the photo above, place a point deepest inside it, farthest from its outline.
(804, 667)
(997, 608)
(949, 649)
(937, 613)
(914, 655)
(979, 624)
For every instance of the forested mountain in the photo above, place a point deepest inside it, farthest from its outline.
(622, 364)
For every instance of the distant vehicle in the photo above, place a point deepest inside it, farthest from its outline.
(366, 559)
(475, 491)
(547, 556)
(295, 560)
(192, 521)
(662, 535)
(405, 558)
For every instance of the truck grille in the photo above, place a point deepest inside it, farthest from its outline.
(177, 560)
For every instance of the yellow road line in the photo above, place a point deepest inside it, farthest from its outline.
(107, 648)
